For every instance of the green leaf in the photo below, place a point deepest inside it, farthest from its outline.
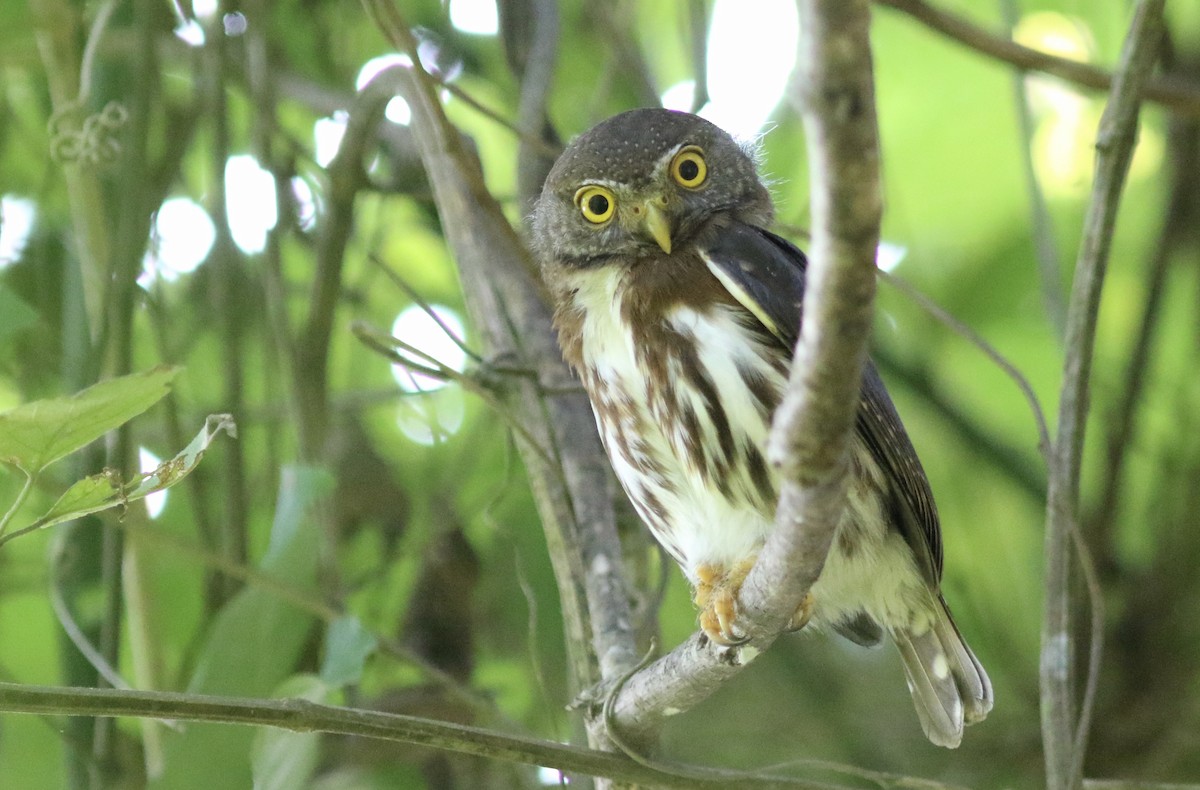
(254, 642)
(37, 434)
(347, 645)
(107, 489)
(283, 760)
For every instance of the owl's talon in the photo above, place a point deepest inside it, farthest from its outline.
(716, 594)
(803, 613)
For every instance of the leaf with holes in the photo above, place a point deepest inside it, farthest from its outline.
(108, 489)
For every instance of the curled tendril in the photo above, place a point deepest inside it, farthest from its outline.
(94, 141)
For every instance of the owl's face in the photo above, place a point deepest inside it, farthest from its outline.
(642, 184)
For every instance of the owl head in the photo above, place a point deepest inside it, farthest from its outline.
(642, 184)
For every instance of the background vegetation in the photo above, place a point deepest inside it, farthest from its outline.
(171, 195)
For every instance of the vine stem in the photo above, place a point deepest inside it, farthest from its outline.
(1064, 723)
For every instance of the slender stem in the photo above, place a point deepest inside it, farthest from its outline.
(298, 715)
(22, 495)
(135, 208)
(1183, 153)
(226, 264)
(1019, 466)
(990, 351)
(504, 303)
(71, 627)
(1064, 735)
(537, 75)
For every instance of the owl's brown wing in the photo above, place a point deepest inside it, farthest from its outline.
(765, 274)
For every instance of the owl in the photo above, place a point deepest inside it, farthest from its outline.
(680, 311)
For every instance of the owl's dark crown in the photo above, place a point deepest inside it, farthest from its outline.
(622, 148)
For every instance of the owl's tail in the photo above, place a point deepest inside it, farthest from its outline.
(948, 684)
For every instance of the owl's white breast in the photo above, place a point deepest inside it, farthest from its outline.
(679, 498)
(649, 448)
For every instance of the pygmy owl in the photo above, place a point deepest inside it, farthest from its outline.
(680, 313)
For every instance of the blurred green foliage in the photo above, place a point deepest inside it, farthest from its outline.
(271, 558)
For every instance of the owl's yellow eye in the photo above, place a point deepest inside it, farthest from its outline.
(688, 167)
(597, 204)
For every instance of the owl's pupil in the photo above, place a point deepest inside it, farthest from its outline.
(688, 170)
(597, 204)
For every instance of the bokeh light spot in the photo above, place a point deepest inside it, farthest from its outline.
(746, 81)
(433, 411)
(397, 110)
(419, 329)
(149, 462)
(327, 137)
(477, 17)
(250, 200)
(16, 224)
(183, 236)
(889, 255)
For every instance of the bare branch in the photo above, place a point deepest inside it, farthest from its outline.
(990, 351)
(531, 43)
(300, 715)
(1064, 733)
(814, 422)
(1178, 95)
(812, 427)
(698, 40)
(505, 306)
(1179, 221)
(347, 176)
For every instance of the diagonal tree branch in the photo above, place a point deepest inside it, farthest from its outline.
(1064, 728)
(566, 466)
(813, 424)
(1178, 95)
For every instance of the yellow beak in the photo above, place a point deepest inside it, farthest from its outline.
(656, 224)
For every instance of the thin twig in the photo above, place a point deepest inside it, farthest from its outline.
(87, 63)
(537, 75)
(1178, 95)
(526, 137)
(918, 378)
(631, 70)
(975, 339)
(22, 495)
(1179, 218)
(423, 303)
(300, 715)
(70, 625)
(1064, 735)
(503, 302)
(382, 343)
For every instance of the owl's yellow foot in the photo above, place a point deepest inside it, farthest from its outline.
(716, 594)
